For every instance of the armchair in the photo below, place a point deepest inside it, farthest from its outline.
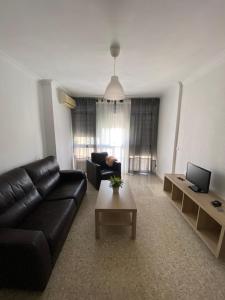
(98, 170)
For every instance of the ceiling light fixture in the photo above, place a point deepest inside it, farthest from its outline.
(114, 90)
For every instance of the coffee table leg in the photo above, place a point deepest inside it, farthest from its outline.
(134, 220)
(96, 224)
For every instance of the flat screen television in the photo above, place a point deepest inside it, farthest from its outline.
(199, 177)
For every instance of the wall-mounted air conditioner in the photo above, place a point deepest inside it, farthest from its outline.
(66, 100)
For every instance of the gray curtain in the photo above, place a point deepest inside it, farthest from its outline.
(143, 135)
(84, 130)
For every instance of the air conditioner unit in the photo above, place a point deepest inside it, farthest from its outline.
(67, 100)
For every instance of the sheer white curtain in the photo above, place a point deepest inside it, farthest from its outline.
(112, 129)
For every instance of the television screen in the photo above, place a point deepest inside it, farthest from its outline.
(199, 177)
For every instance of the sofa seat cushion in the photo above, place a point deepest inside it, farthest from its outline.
(54, 219)
(106, 174)
(68, 190)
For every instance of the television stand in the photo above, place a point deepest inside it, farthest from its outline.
(196, 208)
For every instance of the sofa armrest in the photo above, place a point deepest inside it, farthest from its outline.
(68, 175)
(94, 173)
(25, 260)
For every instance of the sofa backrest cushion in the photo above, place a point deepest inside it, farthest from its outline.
(99, 158)
(18, 197)
(44, 174)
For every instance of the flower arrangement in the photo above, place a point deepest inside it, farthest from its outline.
(116, 183)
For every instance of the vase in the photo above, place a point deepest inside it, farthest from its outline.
(116, 190)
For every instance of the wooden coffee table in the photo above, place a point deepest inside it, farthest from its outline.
(115, 209)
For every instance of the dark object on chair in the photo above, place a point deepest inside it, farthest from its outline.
(37, 205)
(98, 170)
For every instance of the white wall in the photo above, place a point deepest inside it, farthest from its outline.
(57, 125)
(166, 130)
(202, 126)
(33, 123)
(63, 130)
(20, 126)
(48, 131)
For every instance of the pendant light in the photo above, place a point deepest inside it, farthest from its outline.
(114, 90)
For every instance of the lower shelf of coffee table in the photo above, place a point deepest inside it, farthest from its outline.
(115, 219)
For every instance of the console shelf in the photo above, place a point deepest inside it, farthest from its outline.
(177, 196)
(190, 210)
(207, 221)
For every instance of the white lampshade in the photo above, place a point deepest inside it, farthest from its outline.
(114, 90)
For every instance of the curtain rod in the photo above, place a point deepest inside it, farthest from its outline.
(108, 101)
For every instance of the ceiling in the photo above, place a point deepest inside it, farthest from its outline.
(162, 41)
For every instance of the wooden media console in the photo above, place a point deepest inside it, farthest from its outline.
(196, 208)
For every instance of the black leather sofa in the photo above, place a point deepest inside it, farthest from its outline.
(98, 170)
(38, 203)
